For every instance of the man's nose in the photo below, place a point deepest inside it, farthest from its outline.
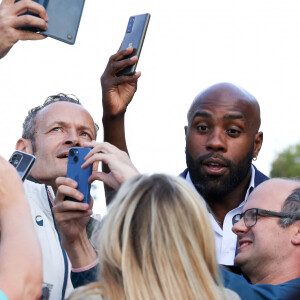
(216, 141)
(73, 139)
(240, 227)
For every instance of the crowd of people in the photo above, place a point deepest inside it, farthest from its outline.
(220, 230)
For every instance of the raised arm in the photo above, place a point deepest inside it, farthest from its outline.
(20, 253)
(11, 19)
(117, 93)
(71, 219)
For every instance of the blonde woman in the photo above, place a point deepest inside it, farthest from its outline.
(156, 242)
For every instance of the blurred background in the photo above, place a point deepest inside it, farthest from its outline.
(189, 46)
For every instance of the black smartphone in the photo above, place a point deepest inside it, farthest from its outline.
(64, 19)
(134, 37)
(23, 162)
(75, 160)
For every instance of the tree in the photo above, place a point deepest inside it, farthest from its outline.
(287, 163)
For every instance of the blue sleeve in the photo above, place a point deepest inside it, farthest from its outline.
(286, 291)
(84, 277)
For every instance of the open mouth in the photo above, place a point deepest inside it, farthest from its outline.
(214, 166)
(63, 155)
(243, 244)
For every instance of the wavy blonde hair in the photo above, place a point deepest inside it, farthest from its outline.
(157, 242)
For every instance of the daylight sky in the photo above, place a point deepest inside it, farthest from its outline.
(189, 46)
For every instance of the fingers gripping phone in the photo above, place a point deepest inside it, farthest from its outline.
(23, 162)
(75, 160)
(134, 37)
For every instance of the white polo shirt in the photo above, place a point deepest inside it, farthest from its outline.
(225, 239)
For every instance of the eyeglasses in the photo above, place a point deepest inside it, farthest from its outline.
(250, 216)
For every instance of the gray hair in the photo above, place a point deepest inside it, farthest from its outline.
(30, 121)
(291, 206)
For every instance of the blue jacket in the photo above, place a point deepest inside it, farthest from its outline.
(289, 290)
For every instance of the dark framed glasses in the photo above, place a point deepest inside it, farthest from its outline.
(250, 216)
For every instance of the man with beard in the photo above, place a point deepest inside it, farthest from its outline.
(222, 138)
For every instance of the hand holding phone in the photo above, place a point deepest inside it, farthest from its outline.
(23, 162)
(75, 160)
(134, 37)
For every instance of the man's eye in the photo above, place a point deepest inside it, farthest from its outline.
(85, 134)
(202, 128)
(233, 132)
(56, 129)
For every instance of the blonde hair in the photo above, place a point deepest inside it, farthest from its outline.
(157, 242)
(92, 291)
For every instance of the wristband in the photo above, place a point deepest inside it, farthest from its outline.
(90, 266)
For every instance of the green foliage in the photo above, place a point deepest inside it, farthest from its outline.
(287, 164)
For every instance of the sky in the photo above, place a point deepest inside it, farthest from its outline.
(189, 46)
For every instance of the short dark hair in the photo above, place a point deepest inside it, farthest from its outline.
(291, 206)
(30, 120)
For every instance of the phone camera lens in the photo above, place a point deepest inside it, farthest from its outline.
(75, 158)
(14, 157)
(71, 152)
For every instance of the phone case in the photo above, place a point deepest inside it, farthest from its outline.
(64, 19)
(75, 160)
(23, 162)
(134, 36)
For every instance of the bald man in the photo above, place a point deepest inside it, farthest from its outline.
(222, 138)
(268, 250)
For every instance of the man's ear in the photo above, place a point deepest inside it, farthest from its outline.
(24, 145)
(296, 234)
(258, 140)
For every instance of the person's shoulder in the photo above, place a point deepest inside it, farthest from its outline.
(36, 195)
(184, 173)
(259, 177)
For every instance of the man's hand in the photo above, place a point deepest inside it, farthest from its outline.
(118, 162)
(71, 219)
(117, 92)
(11, 20)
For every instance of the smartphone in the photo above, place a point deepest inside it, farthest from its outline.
(23, 162)
(64, 19)
(75, 160)
(134, 37)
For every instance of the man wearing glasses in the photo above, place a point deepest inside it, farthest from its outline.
(268, 250)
